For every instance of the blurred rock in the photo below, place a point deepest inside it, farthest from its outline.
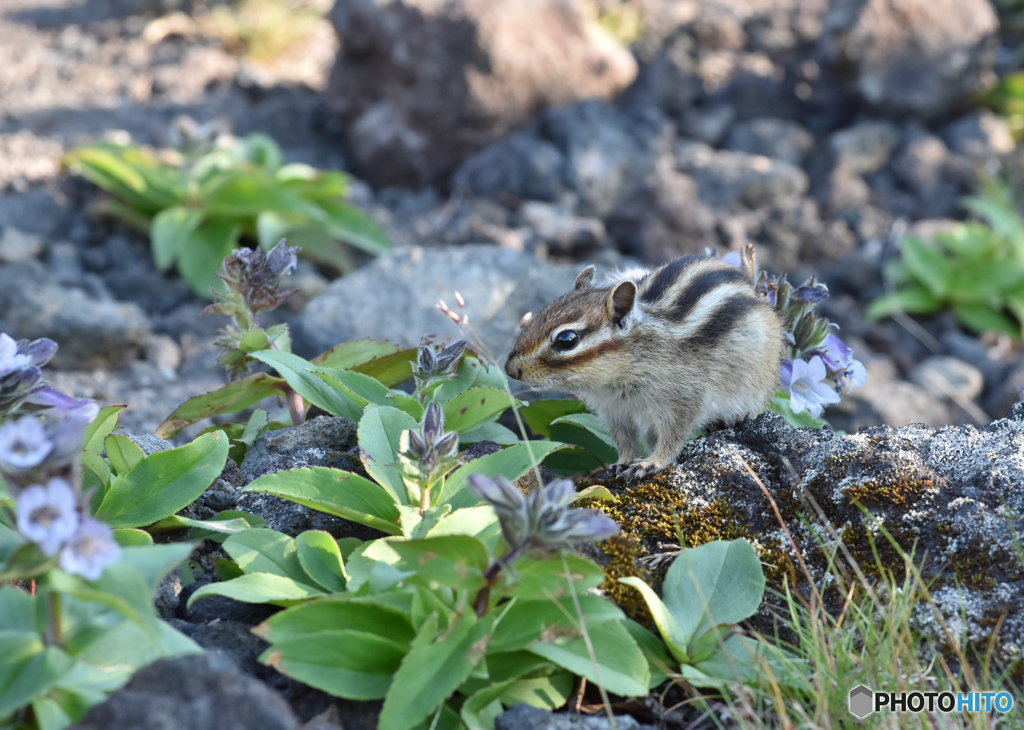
(946, 377)
(423, 85)
(91, 328)
(524, 717)
(779, 139)
(560, 232)
(938, 177)
(204, 691)
(1007, 390)
(865, 147)
(726, 178)
(520, 165)
(982, 135)
(663, 219)
(17, 245)
(913, 57)
(395, 297)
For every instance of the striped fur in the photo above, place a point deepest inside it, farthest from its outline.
(660, 353)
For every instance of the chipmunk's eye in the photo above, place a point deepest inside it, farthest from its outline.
(565, 340)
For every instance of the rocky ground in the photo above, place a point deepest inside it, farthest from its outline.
(809, 127)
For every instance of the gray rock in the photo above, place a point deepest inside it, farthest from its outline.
(608, 152)
(423, 85)
(18, 245)
(938, 177)
(198, 691)
(91, 328)
(394, 296)
(521, 165)
(864, 148)
(912, 57)
(321, 441)
(524, 717)
(1007, 390)
(560, 232)
(149, 443)
(663, 219)
(948, 377)
(708, 124)
(779, 139)
(726, 178)
(953, 495)
(982, 135)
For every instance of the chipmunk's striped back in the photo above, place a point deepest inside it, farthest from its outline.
(657, 353)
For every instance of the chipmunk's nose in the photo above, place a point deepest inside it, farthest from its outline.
(513, 368)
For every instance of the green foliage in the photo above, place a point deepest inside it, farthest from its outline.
(404, 621)
(975, 269)
(707, 589)
(197, 207)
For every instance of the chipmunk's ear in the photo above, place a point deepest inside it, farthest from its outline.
(585, 279)
(620, 301)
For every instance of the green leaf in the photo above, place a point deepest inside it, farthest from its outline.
(126, 536)
(915, 299)
(525, 622)
(101, 427)
(489, 432)
(539, 414)
(260, 550)
(475, 406)
(122, 452)
(717, 583)
(243, 193)
(586, 431)
(380, 432)
(254, 426)
(546, 578)
(511, 462)
(982, 319)
(354, 227)
(231, 398)
(258, 588)
(674, 636)
(34, 676)
(253, 340)
(362, 389)
(327, 614)
(301, 376)
(200, 258)
(335, 492)
(169, 233)
(164, 482)
(620, 668)
(321, 559)
(357, 352)
(433, 669)
(389, 369)
(927, 264)
(457, 561)
(658, 658)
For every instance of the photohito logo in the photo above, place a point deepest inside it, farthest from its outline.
(863, 701)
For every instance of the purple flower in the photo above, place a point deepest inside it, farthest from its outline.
(84, 409)
(804, 381)
(282, 258)
(24, 443)
(543, 519)
(838, 358)
(47, 515)
(91, 548)
(10, 358)
(733, 258)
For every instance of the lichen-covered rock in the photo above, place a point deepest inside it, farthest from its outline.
(953, 497)
(424, 84)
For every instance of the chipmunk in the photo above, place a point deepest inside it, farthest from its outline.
(656, 354)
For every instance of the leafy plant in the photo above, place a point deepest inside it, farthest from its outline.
(198, 202)
(447, 628)
(706, 590)
(975, 269)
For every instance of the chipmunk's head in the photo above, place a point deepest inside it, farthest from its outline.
(567, 343)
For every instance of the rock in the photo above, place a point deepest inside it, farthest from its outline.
(982, 135)
(198, 691)
(91, 328)
(1007, 390)
(948, 377)
(17, 245)
(912, 57)
(524, 717)
(938, 178)
(149, 443)
(663, 219)
(423, 85)
(864, 148)
(521, 165)
(321, 441)
(887, 399)
(778, 139)
(726, 178)
(560, 232)
(952, 495)
(394, 297)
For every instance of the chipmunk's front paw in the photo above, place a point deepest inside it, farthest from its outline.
(637, 470)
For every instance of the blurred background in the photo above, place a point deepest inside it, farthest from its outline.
(497, 146)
